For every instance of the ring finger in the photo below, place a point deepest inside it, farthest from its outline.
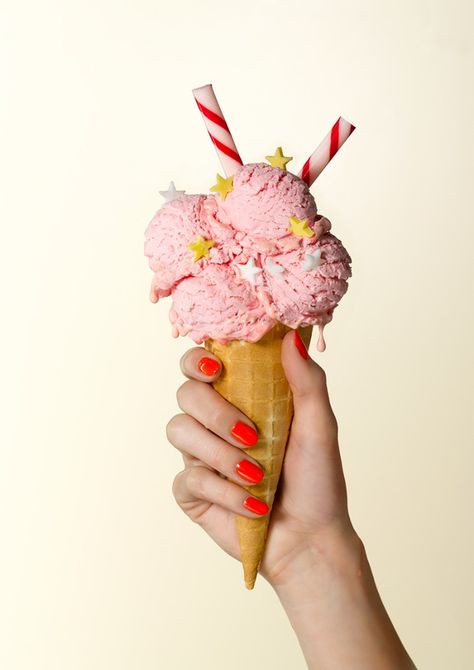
(191, 438)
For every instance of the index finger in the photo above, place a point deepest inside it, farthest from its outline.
(200, 364)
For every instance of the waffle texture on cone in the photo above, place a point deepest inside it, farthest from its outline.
(253, 380)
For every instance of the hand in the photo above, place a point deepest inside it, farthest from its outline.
(310, 511)
(313, 557)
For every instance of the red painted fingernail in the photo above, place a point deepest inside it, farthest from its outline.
(249, 471)
(300, 345)
(208, 366)
(244, 433)
(256, 505)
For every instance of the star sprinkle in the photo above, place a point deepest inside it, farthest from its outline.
(201, 247)
(223, 186)
(300, 227)
(249, 271)
(171, 193)
(312, 261)
(278, 159)
(273, 268)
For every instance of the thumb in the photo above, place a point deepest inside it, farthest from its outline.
(314, 420)
(313, 477)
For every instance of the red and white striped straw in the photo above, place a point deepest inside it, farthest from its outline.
(218, 129)
(326, 150)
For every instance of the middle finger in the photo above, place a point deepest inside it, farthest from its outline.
(203, 403)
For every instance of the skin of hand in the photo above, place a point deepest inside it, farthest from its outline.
(313, 558)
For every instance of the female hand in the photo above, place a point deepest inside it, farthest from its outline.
(313, 557)
(310, 511)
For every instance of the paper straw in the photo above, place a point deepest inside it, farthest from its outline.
(218, 129)
(326, 150)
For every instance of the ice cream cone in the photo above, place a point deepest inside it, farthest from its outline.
(254, 381)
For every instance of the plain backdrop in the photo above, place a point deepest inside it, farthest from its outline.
(98, 567)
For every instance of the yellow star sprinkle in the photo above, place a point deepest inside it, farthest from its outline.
(201, 247)
(278, 159)
(223, 186)
(300, 227)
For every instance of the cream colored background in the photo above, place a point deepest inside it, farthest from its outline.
(99, 568)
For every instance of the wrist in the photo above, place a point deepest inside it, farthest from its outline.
(332, 552)
(332, 602)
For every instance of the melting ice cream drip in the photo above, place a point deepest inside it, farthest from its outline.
(321, 346)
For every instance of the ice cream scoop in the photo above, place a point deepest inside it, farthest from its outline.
(177, 226)
(218, 305)
(310, 283)
(236, 265)
(264, 198)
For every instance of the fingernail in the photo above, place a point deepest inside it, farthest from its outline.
(249, 471)
(256, 505)
(244, 433)
(300, 345)
(208, 366)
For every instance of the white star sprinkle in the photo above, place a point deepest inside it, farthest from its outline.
(312, 261)
(273, 268)
(249, 270)
(171, 193)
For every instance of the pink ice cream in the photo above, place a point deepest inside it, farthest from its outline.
(168, 235)
(259, 271)
(261, 203)
(308, 297)
(220, 306)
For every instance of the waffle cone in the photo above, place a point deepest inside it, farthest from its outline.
(253, 380)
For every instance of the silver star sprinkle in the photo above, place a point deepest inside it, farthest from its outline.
(273, 268)
(312, 261)
(171, 193)
(249, 270)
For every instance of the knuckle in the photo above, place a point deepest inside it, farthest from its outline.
(185, 391)
(315, 384)
(174, 428)
(319, 375)
(218, 414)
(177, 484)
(226, 494)
(195, 481)
(217, 456)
